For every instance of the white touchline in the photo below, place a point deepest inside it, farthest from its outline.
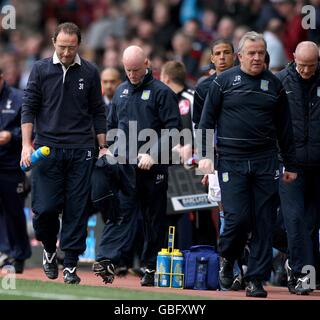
(42, 295)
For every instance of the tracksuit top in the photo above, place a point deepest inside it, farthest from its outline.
(150, 104)
(67, 109)
(199, 97)
(10, 118)
(252, 114)
(304, 101)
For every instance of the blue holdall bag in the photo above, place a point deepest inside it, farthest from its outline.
(201, 268)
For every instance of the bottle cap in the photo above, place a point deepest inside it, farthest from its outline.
(45, 151)
(164, 252)
(176, 252)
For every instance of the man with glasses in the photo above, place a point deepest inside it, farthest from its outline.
(300, 200)
(63, 99)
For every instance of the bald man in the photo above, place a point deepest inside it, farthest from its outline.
(148, 103)
(300, 199)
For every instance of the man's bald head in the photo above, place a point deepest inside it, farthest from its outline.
(306, 58)
(135, 63)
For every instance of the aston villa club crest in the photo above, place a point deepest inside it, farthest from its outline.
(264, 85)
(145, 94)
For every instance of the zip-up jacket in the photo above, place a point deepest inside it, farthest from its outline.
(304, 102)
(10, 118)
(151, 105)
(199, 97)
(66, 109)
(252, 114)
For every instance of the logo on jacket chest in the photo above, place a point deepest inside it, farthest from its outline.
(81, 84)
(264, 85)
(124, 93)
(7, 108)
(236, 80)
(145, 94)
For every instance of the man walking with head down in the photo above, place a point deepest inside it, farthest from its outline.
(148, 104)
(63, 99)
(300, 199)
(248, 106)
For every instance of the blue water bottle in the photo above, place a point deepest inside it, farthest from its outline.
(37, 155)
(162, 277)
(201, 275)
(177, 269)
(221, 219)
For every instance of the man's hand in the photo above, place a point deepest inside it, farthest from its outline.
(104, 151)
(5, 137)
(288, 177)
(185, 153)
(205, 180)
(206, 166)
(26, 155)
(145, 161)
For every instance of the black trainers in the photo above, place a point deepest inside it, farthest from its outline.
(225, 274)
(70, 276)
(148, 278)
(121, 271)
(302, 287)
(18, 265)
(291, 279)
(238, 283)
(3, 259)
(104, 269)
(50, 266)
(255, 289)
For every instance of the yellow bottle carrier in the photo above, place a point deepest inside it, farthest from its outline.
(170, 265)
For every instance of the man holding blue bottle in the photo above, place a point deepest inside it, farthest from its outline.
(63, 99)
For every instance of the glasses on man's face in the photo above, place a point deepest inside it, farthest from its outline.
(67, 48)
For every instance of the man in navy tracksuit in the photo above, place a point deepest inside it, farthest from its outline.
(14, 240)
(249, 106)
(147, 103)
(63, 98)
(300, 199)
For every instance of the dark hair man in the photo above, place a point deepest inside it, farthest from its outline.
(222, 56)
(63, 99)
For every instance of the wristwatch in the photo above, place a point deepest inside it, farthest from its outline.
(103, 146)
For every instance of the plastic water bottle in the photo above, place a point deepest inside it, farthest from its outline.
(178, 269)
(201, 275)
(37, 155)
(221, 217)
(163, 268)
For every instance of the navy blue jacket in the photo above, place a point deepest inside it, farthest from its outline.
(304, 102)
(199, 97)
(151, 104)
(10, 118)
(66, 114)
(252, 114)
